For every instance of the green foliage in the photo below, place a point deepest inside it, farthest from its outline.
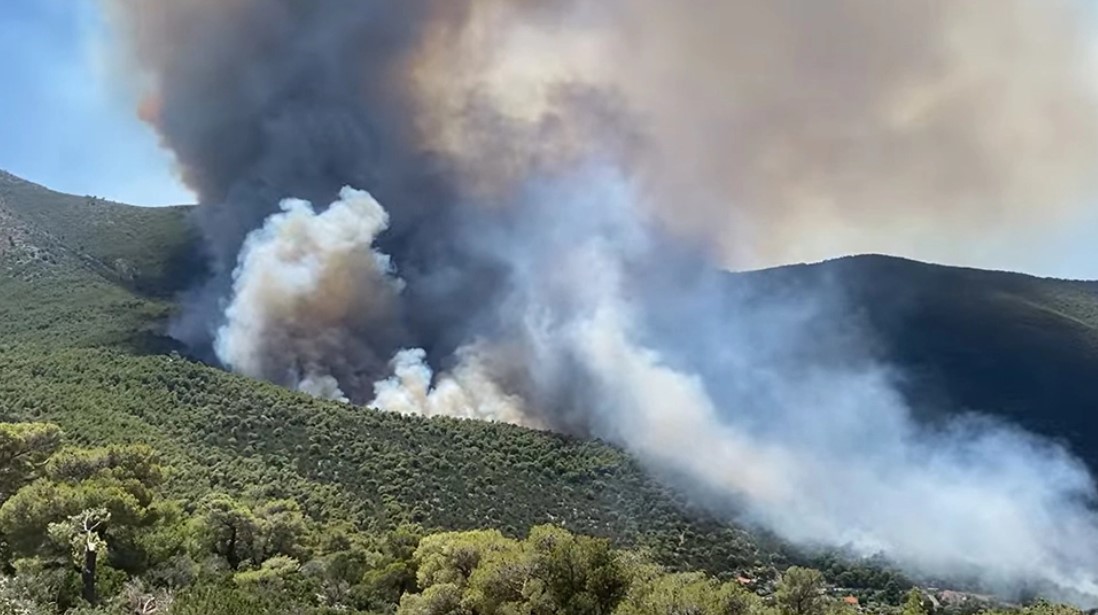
(271, 577)
(24, 448)
(552, 571)
(914, 603)
(450, 558)
(580, 574)
(871, 579)
(81, 533)
(281, 530)
(127, 549)
(687, 593)
(801, 592)
(1044, 607)
(89, 509)
(443, 599)
(221, 600)
(43, 586)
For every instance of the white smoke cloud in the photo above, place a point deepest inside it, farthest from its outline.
(466, 392)
(303, 268)
(323, 386)
(824, 453)
(300, 278)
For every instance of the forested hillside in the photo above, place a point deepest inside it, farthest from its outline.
(219, 494)
(82, 347)
(89, 530)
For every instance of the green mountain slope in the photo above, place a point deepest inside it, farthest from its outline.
(57, 288)
(149, 250)
(80, 346)
(86, 288)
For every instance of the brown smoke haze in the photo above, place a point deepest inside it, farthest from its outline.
(790, 130)
(521, 210)
(775, 131)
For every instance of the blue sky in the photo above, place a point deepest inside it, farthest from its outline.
(64, 121)
(68, 122)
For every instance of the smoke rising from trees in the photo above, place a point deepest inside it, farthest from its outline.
(558, 184)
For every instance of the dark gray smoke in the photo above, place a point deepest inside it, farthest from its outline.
(530, 203)
(260, 100)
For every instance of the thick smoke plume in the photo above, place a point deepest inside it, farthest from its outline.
(790, 130)
(562, 181)
(312, 304)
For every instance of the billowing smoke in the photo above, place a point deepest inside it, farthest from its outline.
(312, 303)
(466, 392)
(560, 183)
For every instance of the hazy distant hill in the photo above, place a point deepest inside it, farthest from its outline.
(1011, 345)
